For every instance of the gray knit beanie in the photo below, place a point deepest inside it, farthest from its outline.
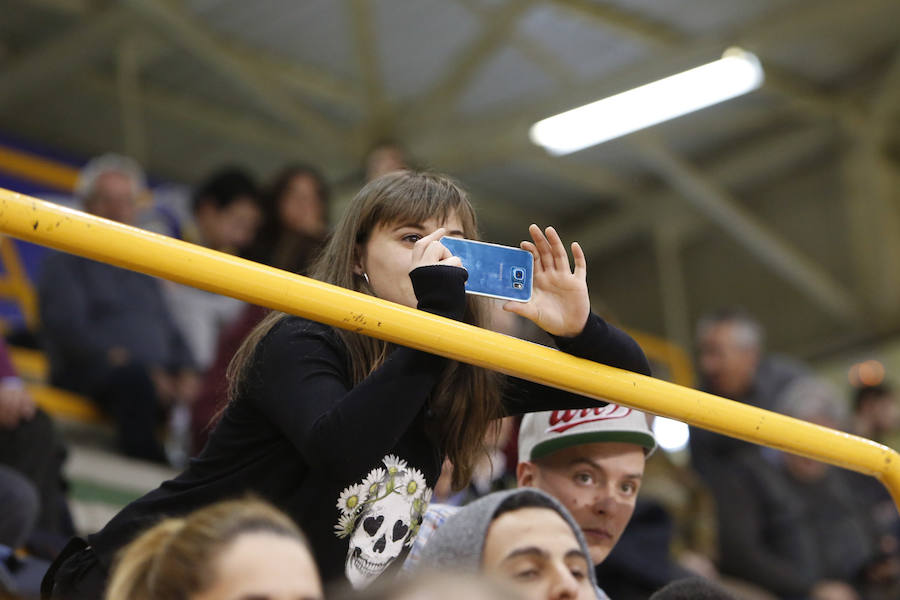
(458, 544)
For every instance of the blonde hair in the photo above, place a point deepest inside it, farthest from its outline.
(175, 559)
(467, 399)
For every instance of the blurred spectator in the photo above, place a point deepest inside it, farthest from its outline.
(492, 473)
(293, 229)
(692, 588)
(524, 537)
(795, 527)
(592, 461)
(233, 549)
(21, 506)
(226, 217)
(107, 331)
(877, 414)
(385, 156)
(295, 219)
(20, 503)
(31, 446)
(732, 365)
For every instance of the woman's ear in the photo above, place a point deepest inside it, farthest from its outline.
(357, 262)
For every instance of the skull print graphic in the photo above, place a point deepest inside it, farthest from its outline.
(381, 515)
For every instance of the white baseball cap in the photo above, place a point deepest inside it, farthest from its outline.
(543, 433)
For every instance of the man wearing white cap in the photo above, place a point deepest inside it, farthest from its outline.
(591, 460)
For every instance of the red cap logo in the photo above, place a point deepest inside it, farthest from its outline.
(563, 420)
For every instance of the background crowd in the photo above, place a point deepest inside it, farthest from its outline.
(605, 514)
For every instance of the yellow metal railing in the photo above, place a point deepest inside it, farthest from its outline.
(79, 233)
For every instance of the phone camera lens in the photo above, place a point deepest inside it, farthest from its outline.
(519, 274)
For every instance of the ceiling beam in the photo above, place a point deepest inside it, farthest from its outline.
(552, 65)
(51, 63)
(174, 23)
(442, 98)
(766, 32)
(224, 124)
(718, 206)
(885, 101)
(625, 23)
(378, 112)
(128, 73)
(72, 7)
(763, 160)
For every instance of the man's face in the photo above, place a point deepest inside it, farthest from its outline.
(727, 365)
(113, 198)
(598, 483)
(230, 228)
(535, 551)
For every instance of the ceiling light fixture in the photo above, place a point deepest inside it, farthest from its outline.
(736, 73)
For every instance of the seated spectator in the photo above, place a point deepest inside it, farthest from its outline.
(692, 588)
(295, 220)
(732, 364)
(226, 216)
(523, 537)
(592, 461)
(876, 413)
(794, 527)
(233, 549)
(385, 156)
(295, 214)
(31, 448)
(21, 504)
(107, 331)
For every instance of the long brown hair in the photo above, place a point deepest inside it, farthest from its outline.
(175, 559)
(466, 398)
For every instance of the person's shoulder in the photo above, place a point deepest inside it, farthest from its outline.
(780, 365)
(291, 329)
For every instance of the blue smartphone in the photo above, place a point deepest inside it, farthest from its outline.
(495, 271)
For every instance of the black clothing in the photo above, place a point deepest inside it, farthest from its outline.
(640, 562)
(332, 455)
(34, 449)
(712, 453)
(786, 535)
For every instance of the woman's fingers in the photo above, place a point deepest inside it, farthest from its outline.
(580, 261)
(529, 247)
(424, 246)
(542, 245)
(560, 258)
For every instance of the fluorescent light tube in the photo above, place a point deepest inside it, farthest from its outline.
(736, 73)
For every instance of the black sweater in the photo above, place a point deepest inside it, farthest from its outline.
(353, 465)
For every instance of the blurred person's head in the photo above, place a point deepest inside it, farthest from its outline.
(110, 186)
(523, 537)
(592, 461)
(729, 347)
(385, 157)
(230, 550)
(226, 210)
(692, 588)
(297, 200)
(876, 409)
(816, 401)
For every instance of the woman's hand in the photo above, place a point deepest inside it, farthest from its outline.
(430, 251)
(559, 301)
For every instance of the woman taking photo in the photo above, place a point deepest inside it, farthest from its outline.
(347, 434)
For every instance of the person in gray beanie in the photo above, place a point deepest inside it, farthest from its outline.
(515, 536)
